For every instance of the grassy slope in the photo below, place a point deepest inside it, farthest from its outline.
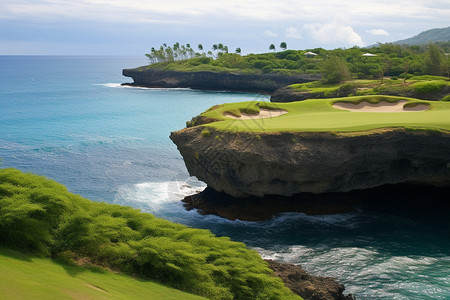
(27, 277)
(373, 87)
(319, 115)
(40, 216)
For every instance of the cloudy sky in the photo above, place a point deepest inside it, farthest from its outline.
(132, 27)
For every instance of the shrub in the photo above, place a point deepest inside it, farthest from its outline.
(206, 133)
(446, 98)
(428, 86)
(40, 215)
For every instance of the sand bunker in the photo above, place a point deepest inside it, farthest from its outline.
(382, 106)
(263, 113)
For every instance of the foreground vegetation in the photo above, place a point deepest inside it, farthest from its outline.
(28, 277)
(318, 115)
(40, 216)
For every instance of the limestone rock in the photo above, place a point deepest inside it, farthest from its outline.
(244, 164)
(265, 83)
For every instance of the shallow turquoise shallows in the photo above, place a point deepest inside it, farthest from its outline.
(69, 119)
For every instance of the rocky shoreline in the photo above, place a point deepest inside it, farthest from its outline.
(307, 286)
(259, 83)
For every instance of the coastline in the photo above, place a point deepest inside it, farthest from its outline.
(258, 83)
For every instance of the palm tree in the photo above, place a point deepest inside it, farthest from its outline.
(200, 47)
(272, 47)
(238, 50)
(283, 45)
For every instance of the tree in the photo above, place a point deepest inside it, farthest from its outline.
(385, 67)
(432, 63)
(272, 47)
(238, 50)
(446, 65)
(200, 47)
(405, 67)
(334, 70)
(283, 45)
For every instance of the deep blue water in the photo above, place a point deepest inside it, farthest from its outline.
(69, 119)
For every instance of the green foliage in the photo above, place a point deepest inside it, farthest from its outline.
(335, 70)
(446, 98)
(429, 86)
(390, 60)
(40, 215)
(206, 133)
(432, 63)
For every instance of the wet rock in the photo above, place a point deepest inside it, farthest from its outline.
(307, 286)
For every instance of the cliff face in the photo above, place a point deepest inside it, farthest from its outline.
(214, 81)
(245, 164)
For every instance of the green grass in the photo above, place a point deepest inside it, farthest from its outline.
(318, 115)
(416, 85)
(28, 277)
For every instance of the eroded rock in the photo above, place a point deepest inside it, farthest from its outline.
(307, 286)
(245, 164)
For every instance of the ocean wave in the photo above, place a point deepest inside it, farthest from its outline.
(369, 273)
(119, 85)
(159, 195)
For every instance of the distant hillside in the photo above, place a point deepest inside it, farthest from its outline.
(425, 37)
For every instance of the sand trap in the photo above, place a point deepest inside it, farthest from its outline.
(382, 106)
(263, 113)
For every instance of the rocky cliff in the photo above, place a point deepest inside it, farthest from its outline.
(265, 83)
(245, 164)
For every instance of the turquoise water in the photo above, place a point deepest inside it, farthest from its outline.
(69, 119)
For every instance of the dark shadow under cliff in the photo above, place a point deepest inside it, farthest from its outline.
(409, 198)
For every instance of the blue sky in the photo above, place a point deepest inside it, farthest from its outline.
(132, 27)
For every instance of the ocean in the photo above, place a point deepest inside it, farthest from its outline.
(68, 118)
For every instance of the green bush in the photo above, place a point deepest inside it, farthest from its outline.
(40, 215)
(206, 133)
(428, 86)
(446, 98)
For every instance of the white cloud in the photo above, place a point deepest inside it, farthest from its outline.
(292, 32)
(334, 33)
(378, 32)
(270, 33)
(199, 10)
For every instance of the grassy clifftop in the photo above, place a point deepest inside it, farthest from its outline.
(40, 216)
(319, 115)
